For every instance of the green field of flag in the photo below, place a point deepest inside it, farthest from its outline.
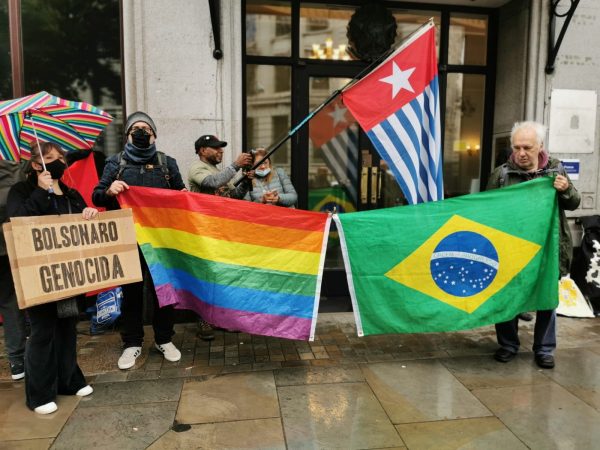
(455, 264)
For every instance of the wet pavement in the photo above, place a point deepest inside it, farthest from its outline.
(415, 391)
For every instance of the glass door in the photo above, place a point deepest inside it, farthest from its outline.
(345, 174)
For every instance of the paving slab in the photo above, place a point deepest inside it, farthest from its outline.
(343, 415)
(544, 416)
(318, 375)
(420, 391)
(231, 397)
(144, 391)
(27, 444)
(17, 422)
(245, 434)
(128, 427)
(466, 434)
(578, 371)
(484, 371)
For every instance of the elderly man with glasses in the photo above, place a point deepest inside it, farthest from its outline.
(530, 160)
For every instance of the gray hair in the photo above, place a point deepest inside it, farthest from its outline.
(540, 130)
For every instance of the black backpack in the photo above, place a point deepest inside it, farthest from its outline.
(162, 165)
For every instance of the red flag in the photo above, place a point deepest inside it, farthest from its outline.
(82, 175)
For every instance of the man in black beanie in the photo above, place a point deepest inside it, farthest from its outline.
(140, 164)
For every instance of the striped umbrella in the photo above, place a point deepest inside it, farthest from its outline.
(44, 117)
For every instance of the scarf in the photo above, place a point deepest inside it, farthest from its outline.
(139, 155)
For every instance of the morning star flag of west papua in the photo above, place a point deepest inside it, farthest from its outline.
(335, 132)
(397, 105)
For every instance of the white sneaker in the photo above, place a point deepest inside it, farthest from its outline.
(48, 408)
(85, 391)
(128, 357)
(169, 351)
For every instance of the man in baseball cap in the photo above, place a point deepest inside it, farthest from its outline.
(206, 177)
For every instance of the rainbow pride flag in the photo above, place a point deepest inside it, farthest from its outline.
(240, 265)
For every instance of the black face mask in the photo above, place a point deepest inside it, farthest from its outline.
(140, 139)
(56, 169)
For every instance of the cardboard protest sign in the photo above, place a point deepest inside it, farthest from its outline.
(56, 257)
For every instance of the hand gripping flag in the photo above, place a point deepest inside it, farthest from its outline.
(397, 105)
(462, 263)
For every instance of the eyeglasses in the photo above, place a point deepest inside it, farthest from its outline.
(144, 129)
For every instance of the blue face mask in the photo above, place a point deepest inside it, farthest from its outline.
(261, 173)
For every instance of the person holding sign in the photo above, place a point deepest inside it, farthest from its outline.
(140, 164)
(51, 367)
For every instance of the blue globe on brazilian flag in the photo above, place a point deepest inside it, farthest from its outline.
(456, 264)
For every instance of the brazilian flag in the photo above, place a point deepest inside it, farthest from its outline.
(455, 264)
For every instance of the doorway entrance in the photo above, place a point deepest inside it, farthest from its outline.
(343, 171)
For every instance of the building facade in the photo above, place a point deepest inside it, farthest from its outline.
(280, 59)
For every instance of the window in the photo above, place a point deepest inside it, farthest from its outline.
(468, 39)
(465, 99)
(268, 28)
(268, 107)
(323, 31)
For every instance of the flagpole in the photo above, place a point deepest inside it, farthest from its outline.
(29, 115)
(329, 99)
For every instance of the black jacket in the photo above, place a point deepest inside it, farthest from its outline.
(26, 198)
(145, 175)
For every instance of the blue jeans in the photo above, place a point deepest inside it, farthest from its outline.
(544, 334)
(14, 319)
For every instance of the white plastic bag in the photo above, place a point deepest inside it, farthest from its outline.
(571, 302)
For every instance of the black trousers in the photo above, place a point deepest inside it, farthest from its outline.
(51, 357)
(132, 309)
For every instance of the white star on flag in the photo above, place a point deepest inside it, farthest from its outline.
(399, 79)
(338, 115)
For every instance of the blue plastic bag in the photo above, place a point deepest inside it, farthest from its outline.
(108, 310)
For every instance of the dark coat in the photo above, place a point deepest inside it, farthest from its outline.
(26, 198)
(509, 173)
(145, 175)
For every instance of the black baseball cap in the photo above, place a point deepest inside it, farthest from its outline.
(208, 140)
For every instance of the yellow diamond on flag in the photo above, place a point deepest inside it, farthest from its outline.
(464, 263)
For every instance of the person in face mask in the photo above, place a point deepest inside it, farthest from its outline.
(51, 367)
(140, 164)
(271, 185)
